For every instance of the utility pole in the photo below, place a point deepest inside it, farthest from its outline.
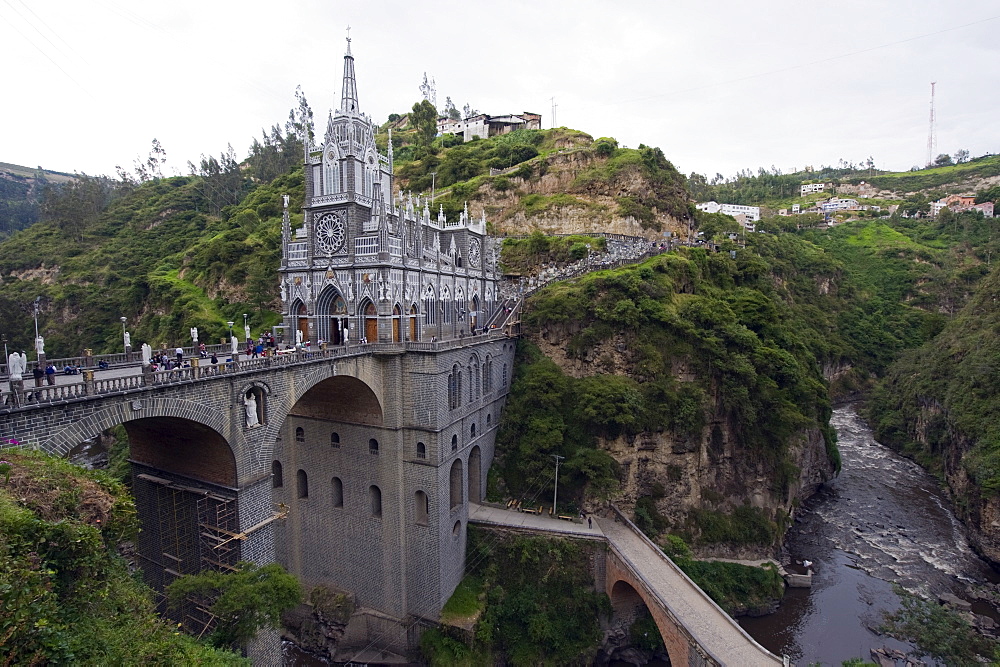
(555, 493)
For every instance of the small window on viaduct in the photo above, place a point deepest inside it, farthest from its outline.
(454, 443)
(338, 492)
(276, 481)
(375, 496)
(373, 446)
(302, 482)
(421, 450)
(422, 508)
(335, 440)
(300, 434)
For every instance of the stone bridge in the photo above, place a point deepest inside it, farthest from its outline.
(638, 576)
(369, 455)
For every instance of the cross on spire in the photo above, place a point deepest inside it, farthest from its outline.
(349, 96)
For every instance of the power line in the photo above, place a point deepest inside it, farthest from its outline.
(811, 63)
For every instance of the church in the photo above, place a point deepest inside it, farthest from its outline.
(375, 468)
(369, 266)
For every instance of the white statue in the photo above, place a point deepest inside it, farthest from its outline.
(16, 365)
(194, 335)
(285, 197)
(128, 339)
(235, 342)
(40, 345)
(251, 406)
(147, 354)
(298, 336)
(246, 330)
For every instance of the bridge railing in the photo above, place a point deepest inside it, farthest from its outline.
(27, 396)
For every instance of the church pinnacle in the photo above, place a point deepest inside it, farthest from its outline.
(349, 98)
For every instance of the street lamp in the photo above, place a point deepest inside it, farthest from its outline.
(230, 323)
(124, 334)
(37, 299)
(433, 182)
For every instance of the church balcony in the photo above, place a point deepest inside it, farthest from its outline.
(340, 198)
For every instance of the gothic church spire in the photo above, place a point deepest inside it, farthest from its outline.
(349, 97)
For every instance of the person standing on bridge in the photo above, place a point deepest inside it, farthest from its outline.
(180, 356)
(50, 374)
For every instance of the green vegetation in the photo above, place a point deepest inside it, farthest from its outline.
(540, 604)
(940, 402)
(665, 193)
(523, 256)
(66, 597)
(745, 525)
(753, 341)
(938, 632)
(151, 251)
(243, 601)
(465, 602)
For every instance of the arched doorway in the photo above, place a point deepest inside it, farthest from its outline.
(370, 313)
(474, 314)
(302, 321)
(397, 324)
(475, 474)
(413, 322)
(331, 316)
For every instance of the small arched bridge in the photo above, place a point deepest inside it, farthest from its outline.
(638, 576)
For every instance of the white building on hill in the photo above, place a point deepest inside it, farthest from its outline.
(751, 212)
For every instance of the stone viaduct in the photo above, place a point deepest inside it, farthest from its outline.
(368, 455)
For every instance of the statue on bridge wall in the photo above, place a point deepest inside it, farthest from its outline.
(194, 335)
(40, 345)
(235, 342)
(250, 402)
(147, 354)
(17, 364)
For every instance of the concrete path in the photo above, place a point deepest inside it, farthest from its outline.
(497, 516)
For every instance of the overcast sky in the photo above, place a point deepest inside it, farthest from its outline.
(720, 86)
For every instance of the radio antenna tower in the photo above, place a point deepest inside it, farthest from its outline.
(931, 136)
(554, 105)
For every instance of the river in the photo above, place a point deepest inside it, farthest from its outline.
(883, 520)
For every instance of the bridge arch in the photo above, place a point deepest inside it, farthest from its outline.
(91, 426)
(628, 605)
(338, 398)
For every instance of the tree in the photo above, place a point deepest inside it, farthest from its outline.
(468, 111)
(300, 119)
(243, 601)
(424, 118)
(942, 160)
(961, 155)
(450, 110)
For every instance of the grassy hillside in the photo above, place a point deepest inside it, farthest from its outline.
(66, 597)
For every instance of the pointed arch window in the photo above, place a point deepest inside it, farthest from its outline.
(430, 306)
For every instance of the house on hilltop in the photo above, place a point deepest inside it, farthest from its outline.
(752, 213)
(485, 126)
(959, 203)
